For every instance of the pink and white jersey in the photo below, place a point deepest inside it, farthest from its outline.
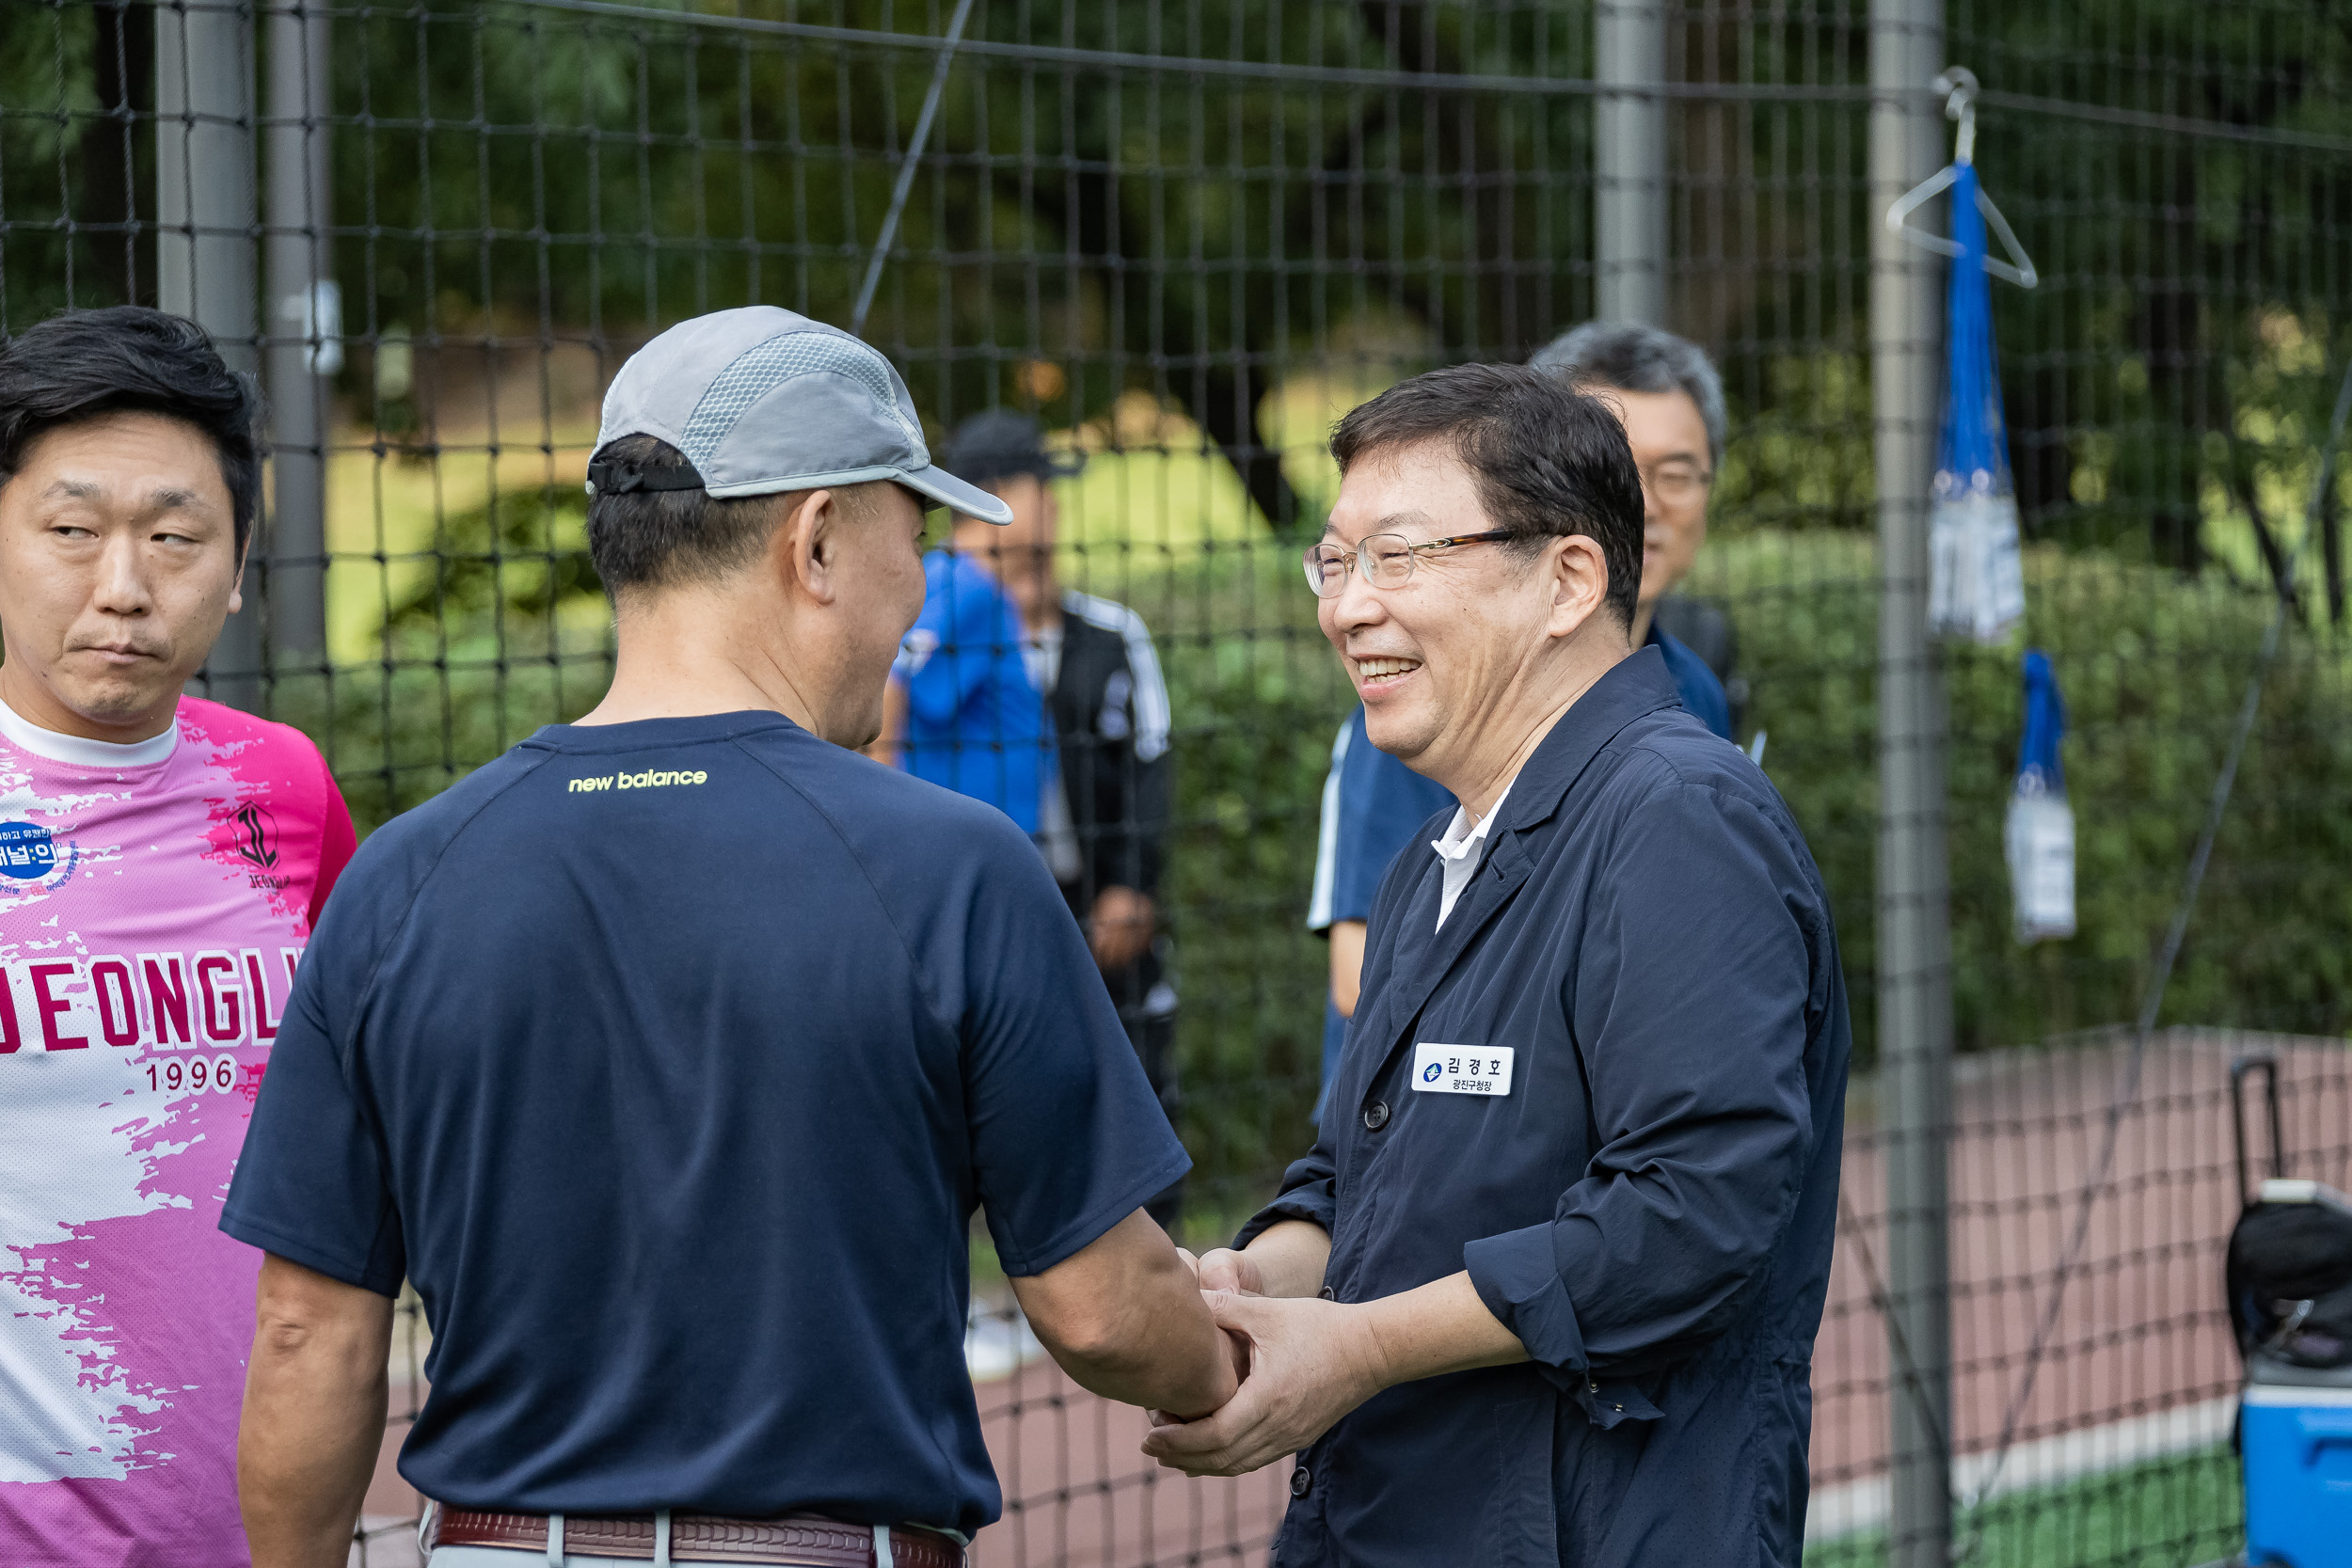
(153, 901)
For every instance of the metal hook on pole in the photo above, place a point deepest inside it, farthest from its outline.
(1958, 83)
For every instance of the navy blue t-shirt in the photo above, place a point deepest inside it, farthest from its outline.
(1702, 693)
(670, 1059)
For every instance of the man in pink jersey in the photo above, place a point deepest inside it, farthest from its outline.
(162, 859)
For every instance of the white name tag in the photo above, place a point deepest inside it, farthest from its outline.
(1440, 1068)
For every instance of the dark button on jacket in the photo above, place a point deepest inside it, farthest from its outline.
(1650, 1208)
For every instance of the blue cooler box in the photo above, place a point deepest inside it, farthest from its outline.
(2298, 1435)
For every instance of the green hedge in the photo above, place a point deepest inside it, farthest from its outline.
(2154, 668)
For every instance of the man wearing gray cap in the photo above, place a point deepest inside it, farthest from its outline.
(670, 1054)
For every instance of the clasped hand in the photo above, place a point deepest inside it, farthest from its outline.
(1303, 1363)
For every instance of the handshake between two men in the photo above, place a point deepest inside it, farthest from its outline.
(1243, 1356)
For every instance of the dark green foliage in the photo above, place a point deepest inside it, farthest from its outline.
(510, 632)
(2154, 669)
(1257, 701)
(511, 562)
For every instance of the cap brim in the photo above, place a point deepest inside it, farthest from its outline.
(951, 492)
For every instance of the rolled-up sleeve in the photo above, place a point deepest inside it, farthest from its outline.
(1690, 1010)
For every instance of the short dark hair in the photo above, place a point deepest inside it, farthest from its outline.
(663, 538)
(1550, 461)
(84, 364)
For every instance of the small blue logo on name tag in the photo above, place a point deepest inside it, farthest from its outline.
(1429, 1073)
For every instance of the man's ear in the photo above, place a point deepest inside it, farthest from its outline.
(1580, 583)
(806, 548)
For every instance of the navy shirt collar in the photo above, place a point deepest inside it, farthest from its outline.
(637, 734)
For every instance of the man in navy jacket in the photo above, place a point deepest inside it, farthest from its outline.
(1670, 399)
(1545, 1290)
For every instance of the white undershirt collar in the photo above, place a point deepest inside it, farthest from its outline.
(1458, 851)
(76, 751)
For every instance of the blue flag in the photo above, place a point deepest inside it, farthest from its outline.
(1976, 583)
(2039, 837)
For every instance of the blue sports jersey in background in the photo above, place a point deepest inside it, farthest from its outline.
(1374, 806)
(670, 1059)
(974, 721)
(1702, 693)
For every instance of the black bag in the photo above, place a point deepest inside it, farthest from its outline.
(2290, 1281)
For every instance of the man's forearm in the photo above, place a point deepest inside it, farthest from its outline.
(315, 1394)
(1290, 1256)
(1442, 1326)
(1124, 1318)
(1348, 965)
(1173, 1359)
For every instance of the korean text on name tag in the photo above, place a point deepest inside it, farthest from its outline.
(1440, 1068)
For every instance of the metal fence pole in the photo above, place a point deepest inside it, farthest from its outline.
(204, 239)
(304, 326)
(1629, 161)
(1915, 997)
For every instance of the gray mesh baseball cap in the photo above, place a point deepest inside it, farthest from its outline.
(762, 400)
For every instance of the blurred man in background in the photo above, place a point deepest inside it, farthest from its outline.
(1005, 658)
(963, 709)
(1667, 395)
(162, 862)
(670, 1054)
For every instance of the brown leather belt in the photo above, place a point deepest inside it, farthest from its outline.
(795, 1541)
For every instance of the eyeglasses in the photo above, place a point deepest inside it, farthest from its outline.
(1382, 560)
(1677, 481)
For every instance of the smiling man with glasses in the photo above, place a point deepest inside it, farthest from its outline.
(1546, 1289)
(1667, 395)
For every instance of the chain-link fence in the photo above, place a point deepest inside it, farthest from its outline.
(1186, 234)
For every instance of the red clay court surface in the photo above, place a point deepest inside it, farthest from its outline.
(2139, 1362)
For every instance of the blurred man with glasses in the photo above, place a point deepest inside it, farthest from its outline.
(1667, 395)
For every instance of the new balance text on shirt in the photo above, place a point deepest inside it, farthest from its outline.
(650, 778)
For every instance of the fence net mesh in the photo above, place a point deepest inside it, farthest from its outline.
(1186, 234)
